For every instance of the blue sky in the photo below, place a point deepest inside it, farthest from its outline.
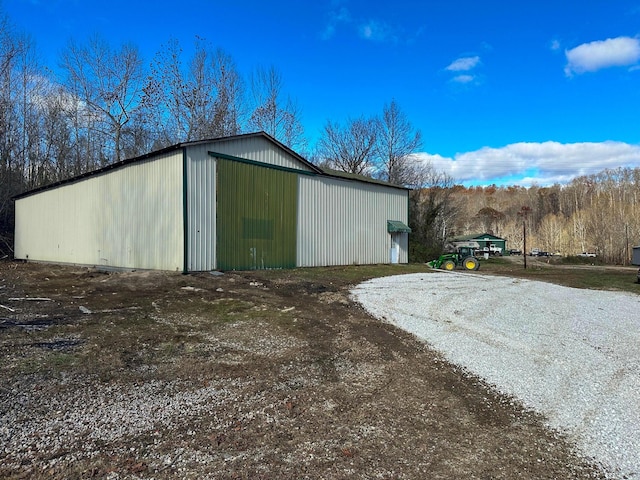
(502, 91)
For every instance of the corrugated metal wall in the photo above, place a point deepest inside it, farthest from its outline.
(256, 217)
(201, 210)
(201, 188)
(128, 217)
(343, 222)
(258, 149)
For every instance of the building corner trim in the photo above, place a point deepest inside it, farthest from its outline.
(185, 212)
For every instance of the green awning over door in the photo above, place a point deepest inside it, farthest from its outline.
(396, 226)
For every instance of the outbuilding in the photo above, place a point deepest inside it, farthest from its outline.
(485, 241)
(234, 203)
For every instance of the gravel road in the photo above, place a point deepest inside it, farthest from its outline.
(571, 354)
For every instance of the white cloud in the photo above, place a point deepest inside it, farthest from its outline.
(340, 17)
(463, 78)
(461, 68)
(463, 64)
(376, 31)
(337, 17)
(526, 164)
(593, 56)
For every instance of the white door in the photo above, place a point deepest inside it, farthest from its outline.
(395, 248)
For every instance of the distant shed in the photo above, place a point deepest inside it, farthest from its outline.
(484, 240)
(635, 260)
(234, 203)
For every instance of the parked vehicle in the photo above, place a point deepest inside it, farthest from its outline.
(491, 250)
(463, 257)
(515, 251)
(536, 252)
(585, 254)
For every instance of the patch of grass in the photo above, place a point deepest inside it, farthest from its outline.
(575, 260)
(578, 276)
(28, 366)
(608, 280)
(171, 335)
(61, 361)
(46, 362)
(121, 330)
(223, 310)
(170, 349)
(350, 274)
(496, 262)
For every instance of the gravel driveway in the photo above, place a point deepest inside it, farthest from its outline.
(570, 354)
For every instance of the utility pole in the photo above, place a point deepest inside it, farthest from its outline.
(626, 244)
(524, 213)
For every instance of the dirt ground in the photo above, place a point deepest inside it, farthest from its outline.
(244, 375)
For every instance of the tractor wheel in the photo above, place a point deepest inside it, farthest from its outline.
(448, 265)
(470, 263)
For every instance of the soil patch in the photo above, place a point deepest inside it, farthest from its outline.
(243, 375)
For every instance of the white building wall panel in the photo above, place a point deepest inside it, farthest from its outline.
(342, 222)
(251, 148)
(201, 210)
(130, 217)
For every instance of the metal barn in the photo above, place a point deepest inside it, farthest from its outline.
(234, 203)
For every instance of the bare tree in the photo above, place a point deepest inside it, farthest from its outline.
(202, 100)
(9, 48)
(13, 49)
(229, 103)
(351, 147)
(272, 114)
(162, 98)
(550, 232)
(432, 213)
(490, 218)
(397, 141)
(110, 84)
(58, 143)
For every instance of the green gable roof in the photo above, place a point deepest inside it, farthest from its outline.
(477, 236)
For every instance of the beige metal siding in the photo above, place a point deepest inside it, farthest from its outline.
(343, 222)
(130, 217)
(258, 149)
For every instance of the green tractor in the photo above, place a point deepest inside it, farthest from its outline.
(462, 257)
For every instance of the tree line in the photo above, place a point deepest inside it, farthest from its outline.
(597, 213)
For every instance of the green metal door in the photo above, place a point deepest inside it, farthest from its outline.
(256, 217)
